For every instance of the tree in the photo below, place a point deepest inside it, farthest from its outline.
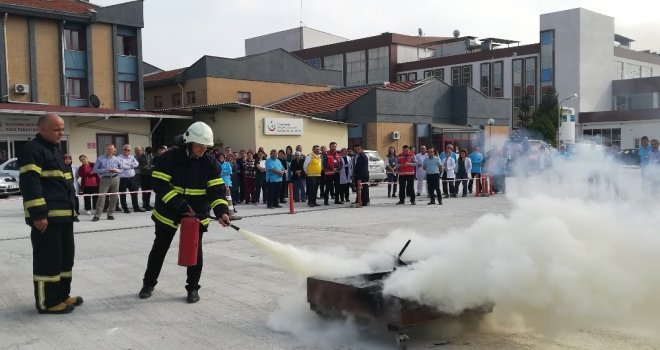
(544, 120)
(524, 107)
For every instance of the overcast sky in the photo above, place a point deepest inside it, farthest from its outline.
(178, 32)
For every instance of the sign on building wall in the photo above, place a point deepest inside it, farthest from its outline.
(283, 126)
(19, 125)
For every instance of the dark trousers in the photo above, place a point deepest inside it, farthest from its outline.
(284, 190)
(461, 180)
(145, 185)
(433, 183)
(299, 190)
(130, 184)
(321, 182)
(364, 193)
(407, 188)
(344, 190)
(248, 190)
(448, 185)
(499, 184)
(52, 261)
(260, 186)
(331, 187)
(312, 183)
(273, 193)
(90, 201)
(478, 177)
(392, 179)
(164, 235)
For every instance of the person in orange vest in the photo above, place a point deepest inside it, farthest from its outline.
(313, 170)
(406, 165)
(332, 163)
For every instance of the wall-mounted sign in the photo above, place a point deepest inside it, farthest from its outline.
(91, 145)
(283, 126)
(19, 125)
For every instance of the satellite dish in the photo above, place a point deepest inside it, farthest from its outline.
(94, 101)
(420, 32)
(457, 33)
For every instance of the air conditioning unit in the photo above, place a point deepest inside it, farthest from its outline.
(396, 135)
(21, 88)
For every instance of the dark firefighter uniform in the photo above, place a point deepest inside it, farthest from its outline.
(48, 194)
(179, 182)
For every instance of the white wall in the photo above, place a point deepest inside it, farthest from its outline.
(314, 38)
(629, 130)
(80, 136)
(596, 47)
(290, 40)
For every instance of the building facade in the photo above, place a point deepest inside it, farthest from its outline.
(290, 40)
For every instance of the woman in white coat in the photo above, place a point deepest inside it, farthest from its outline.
(345, 176)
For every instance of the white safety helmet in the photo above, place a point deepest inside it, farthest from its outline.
(199, 132)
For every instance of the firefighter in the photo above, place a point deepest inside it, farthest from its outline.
(48, 200)
(186, 184)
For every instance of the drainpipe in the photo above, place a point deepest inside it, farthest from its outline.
(151, 133)
(4, 32)
(64, 84)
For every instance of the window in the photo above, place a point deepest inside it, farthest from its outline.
(618, 70)
(467, 75)
(530, 80)
(632, 71)
(647, 72)
(606, 137)
(74, 39)
(412, 76)
(356, 68)
(379, 65)
(76, 88)
(243, 97)
(456, 76)
(128, 91)
(517, 92)
(547, 61)
(428, 74)
(402, 77)
(127, 45)
(176, 100)
(158, 101)
(190, 98)
(440, 73)
(116, 139)
(314, 62)
(485, 79)
(497, 81)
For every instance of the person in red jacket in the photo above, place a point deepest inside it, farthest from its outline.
(406, 165)
(89, 183)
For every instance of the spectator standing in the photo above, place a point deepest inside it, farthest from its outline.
(448, 159)
(463, 168)
(274, 173)
(260, 177)
(345, 176)
(313, 170)
(249, 172)
(235, 181)
(89, 182)
(322, 179)
(108, 168)
(146, 165)
(654, 167)
(391, 165)
(432, 167)
(284, 190)
(72, 176)
(644, 151)
(477, 160)
(406, 166)
(361, 173)
(240, 171)
(332, 163)
(128, 164)
(298, 177)
(420, 174)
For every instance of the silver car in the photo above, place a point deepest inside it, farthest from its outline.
(10, 167)
(8, 185)
(376, 167)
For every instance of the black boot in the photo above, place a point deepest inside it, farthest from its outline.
(389, 190)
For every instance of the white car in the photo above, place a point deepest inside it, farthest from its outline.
(10, 167)
(8, 185)
(376, 167)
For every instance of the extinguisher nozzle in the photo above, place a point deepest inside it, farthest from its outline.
(235, 227)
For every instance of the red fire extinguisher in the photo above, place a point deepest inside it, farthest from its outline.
(188, 241)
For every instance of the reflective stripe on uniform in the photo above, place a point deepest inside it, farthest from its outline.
(218, 202)
(205, 222)
(161, 175)
(55, 213)
(27, 167)
(34, 203)
(163, 219)
(66, 274)
(169, 195)
(41, 288)
(52, 173)
(189, 191)
(39, 278)
(68, 175)
(215, 182)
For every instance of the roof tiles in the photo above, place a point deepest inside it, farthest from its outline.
(168, 74)
(69, 6)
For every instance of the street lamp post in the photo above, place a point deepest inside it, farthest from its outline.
(491, 121)
(559, 115)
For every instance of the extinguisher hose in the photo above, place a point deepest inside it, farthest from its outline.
(231, 225)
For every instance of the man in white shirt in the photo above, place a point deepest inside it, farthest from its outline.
(127, 164)
(420, 173)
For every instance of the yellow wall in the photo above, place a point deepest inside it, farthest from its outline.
(18, 55)
(136, 128)
(48, 58)
(379, 136)
(495, 136)
(234, 129)
(314, 133)
(102, 59)
(219, 90)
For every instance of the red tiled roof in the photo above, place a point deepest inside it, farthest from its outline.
(168, 74)
(323, 102)
(70, 6)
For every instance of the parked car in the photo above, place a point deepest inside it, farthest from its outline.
(10, 167)
(628, 156)
(8, 185)
(376, 167)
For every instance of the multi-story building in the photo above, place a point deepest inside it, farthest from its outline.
(75, 59)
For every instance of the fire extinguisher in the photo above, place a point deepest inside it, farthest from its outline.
(188, 241)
